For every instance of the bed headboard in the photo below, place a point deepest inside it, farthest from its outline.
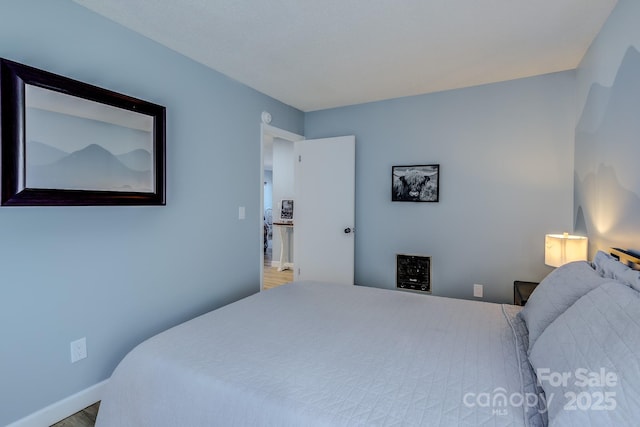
(626, 257)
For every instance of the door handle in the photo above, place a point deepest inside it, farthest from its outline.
(349, 230)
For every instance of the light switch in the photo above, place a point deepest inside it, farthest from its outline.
(478, 290)
(241, 212)
(78, 349)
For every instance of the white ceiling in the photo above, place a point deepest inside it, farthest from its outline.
(320, 54)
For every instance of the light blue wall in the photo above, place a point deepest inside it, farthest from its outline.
(117, 275)
(120, 274)
(506, 157)
(607, 191)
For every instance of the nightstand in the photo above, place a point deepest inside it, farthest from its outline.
(522, 291)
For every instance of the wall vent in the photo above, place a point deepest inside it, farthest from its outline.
(413, 272)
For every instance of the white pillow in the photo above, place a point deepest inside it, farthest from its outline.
(609, 267)
(557, 292)
(588, 360)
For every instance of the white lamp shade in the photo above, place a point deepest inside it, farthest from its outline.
(560, 249)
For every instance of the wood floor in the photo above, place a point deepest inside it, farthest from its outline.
(273, 277)
(84, 418)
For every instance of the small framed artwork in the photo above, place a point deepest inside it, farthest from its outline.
(68, 143)
(286, 210)
(415, 183)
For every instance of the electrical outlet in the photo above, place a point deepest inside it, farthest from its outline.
(477, 290)
(78, 349)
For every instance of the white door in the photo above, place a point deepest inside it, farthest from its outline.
(324, 209)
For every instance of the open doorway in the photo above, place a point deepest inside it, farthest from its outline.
(276, 148)
(274, 273)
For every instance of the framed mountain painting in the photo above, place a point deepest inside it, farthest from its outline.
(67, 143)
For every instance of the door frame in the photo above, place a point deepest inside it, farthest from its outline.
(268, 131)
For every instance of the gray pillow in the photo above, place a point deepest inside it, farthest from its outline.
(609, 267)
(595, 345)
(557, 292)
(606, 265)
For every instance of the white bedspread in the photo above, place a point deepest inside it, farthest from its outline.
(311, 354)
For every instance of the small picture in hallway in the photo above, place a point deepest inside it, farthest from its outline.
(286, 210)
(415, 183)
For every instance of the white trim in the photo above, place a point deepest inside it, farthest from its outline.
(63, 408)
(281, 133)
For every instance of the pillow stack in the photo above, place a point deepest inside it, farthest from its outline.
(584, 342)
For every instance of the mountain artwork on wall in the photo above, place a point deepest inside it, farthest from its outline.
(68, 143)
(606, 176)
(71, 149)
(91, 168)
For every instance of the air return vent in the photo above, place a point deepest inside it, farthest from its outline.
(413, 272)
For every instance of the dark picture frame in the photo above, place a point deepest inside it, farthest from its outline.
(69, 143)
(416, 183)
(286, 210)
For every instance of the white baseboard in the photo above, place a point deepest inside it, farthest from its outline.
(287, 265)
(63, 408)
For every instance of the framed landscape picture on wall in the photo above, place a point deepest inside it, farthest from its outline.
(65, 142)
(418, 183)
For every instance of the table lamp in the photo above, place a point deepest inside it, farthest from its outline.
(560, 249)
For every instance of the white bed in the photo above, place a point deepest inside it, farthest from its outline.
(308, 354)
